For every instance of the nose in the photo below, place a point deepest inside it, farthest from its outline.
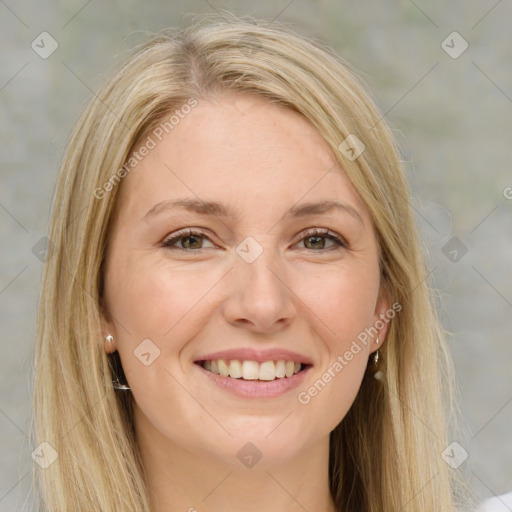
(260, 298)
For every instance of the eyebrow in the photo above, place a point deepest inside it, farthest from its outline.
(218, 209)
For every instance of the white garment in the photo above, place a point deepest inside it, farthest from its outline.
(502, 503)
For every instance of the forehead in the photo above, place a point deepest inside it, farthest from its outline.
(241, 150)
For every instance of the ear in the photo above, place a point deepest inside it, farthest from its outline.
(381, 317)
(108, 328)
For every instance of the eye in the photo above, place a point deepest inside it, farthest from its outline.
(315, 239)
(190, 240)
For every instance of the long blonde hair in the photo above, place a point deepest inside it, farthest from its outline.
(385, 455)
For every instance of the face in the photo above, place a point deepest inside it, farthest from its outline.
(261, 273)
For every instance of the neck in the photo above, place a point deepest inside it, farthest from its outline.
(192, 480)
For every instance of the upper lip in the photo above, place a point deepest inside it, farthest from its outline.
(251, 354)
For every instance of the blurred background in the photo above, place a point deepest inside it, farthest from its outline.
(441, 73)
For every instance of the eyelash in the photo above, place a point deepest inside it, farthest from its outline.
(324, 233)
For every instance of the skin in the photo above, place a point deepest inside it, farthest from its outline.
(302, 293)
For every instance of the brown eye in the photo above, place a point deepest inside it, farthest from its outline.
(315, 240)
(191, 242)
(189, 239)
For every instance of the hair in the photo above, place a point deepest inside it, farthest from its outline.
(385, 454)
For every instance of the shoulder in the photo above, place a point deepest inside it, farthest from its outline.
(502, 503)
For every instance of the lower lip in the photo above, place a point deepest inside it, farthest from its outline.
(256, 388)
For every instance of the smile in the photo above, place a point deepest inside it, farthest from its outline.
(252, 370)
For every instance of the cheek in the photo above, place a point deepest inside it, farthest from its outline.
(158, 309)
(150, 300)
(162, 302)
(343, 302)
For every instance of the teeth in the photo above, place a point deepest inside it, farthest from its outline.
(252, 370)
(267, 371)
(223, 367)
(235, 369)
(280, 369)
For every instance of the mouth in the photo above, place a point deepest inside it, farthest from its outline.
(248, 370)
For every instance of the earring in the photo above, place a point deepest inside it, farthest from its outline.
(115, 382)
(118, 386)
(377, 374)
(376, 354)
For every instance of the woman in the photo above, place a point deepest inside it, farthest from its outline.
(235, 315)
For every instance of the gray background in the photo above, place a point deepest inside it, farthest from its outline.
(452, 116)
